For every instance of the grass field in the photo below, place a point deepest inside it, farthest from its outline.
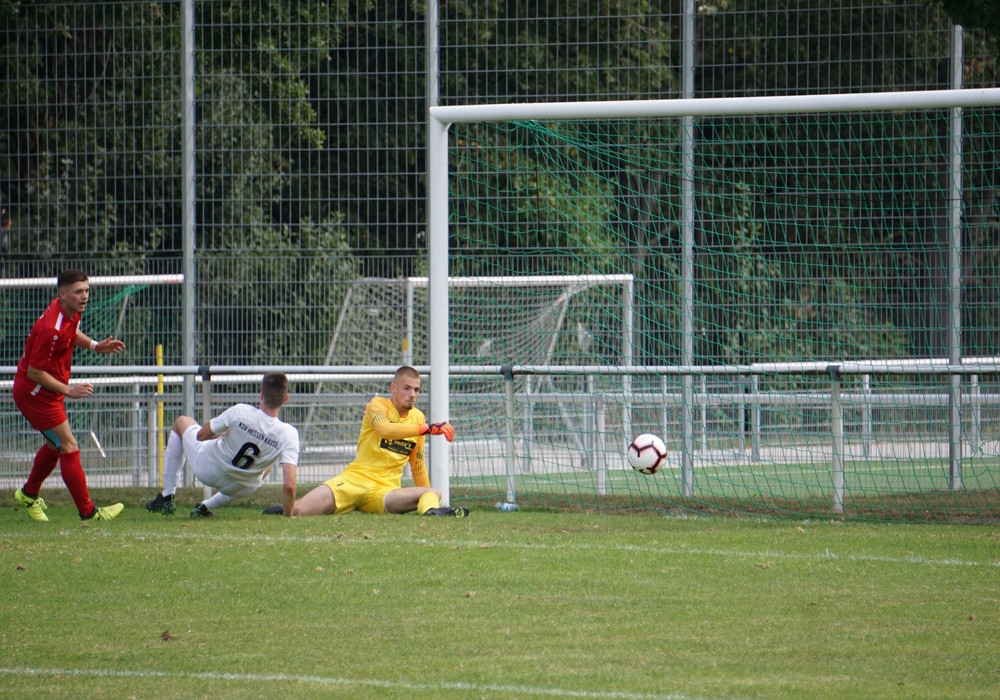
(497, 605)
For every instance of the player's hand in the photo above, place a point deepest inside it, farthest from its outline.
(80, 391)
(109, 346)
(443, 428)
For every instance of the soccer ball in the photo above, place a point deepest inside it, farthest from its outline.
(647, 453)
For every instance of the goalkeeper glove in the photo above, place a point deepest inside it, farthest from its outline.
(443, 428)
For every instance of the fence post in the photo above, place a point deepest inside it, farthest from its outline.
(206, 413)
(837, 428)
(528, 430)
(755, 418)
(602, 460)
(976, 439)
(866, 423)
(704, 414)
(955, 432)
(742, 415)
(152, 441)
(510, 456)
(136, 435)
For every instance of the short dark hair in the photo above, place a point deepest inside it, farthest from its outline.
(405, 371)
(274, 388)
(71, 276)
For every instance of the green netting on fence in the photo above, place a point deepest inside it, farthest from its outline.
(814, 238)
(139, 314)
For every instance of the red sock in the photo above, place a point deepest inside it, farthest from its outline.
(76, 481)
(46, 460)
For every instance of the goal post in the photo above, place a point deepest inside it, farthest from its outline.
(825, 228)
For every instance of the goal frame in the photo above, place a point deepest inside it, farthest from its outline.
(441, 117)
(574, 284)
(110, 281)
(99, 281)
(571, 284)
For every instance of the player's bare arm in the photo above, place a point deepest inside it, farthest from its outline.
(47, 381)
(288, 489)
(205, 432)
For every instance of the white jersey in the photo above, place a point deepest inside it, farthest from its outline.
(252, 442)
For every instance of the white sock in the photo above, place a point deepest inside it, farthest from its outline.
(173, 460)
(217, 501)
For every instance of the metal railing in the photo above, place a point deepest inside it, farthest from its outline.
(125, 426)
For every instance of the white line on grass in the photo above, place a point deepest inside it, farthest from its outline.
(506, 690)
(730, 553)
(815, 556)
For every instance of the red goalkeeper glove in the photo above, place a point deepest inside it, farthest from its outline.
(443, 428)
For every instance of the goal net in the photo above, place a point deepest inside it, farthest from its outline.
(111, 426)
(531, 320)
(814, 236)
(493, 321)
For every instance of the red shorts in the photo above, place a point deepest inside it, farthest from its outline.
(44, 410)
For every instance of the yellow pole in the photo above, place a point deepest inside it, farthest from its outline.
(159, 415)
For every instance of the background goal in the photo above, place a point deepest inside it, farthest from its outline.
(538, 320)
(114, 425)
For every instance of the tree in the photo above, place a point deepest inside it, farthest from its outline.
(975, 14)
(92, 140)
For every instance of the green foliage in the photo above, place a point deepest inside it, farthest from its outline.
(819, 47)
(72, 89)
(974, 14)
(563, 50)
(315, 112)
(605, 197)
(378, 79)
(545, 209)
(98, 137)
(274, 44)
(761, 304)
(276, 305)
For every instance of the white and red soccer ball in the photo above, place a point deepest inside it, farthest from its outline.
(647, 453)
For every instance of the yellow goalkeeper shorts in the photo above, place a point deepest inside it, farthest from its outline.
(353, 490)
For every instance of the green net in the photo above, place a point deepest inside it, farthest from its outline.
(111, 424)
(128, 312)
(816, 238)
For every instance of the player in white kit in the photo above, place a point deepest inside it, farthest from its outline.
(233, 452)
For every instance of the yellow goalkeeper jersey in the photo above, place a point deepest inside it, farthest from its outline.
(388, 441)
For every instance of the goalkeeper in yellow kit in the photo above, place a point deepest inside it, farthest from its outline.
(393, 433)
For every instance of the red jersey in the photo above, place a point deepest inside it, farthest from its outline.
(49, 346)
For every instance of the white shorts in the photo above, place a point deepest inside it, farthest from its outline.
(201, 457)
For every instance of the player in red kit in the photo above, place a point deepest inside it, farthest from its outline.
(40, 387)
